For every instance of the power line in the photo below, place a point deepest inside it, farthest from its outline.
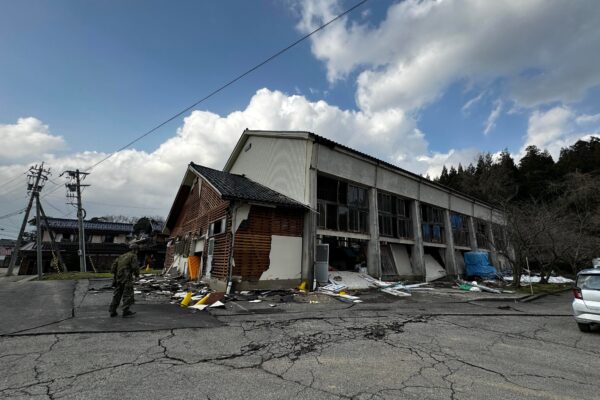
(231, 82)
(12, 180)
(221, 88)
(12, 214)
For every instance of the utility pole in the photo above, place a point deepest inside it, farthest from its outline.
(74, 193)
(53, 243)
(36, 177)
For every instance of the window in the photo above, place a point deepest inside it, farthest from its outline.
(432, 224)
(217, 227)
(481, 234)
(588, 282)
(109, 239)
(460, 229)
(341, 205)
(321, 219)
(500, 241)
(394, 216)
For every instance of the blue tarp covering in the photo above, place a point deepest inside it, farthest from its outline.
(477, 263)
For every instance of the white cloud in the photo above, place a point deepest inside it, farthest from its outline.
(25, 140)
(545, 50)
(493, 117)
(436, 161)
(558, 127)
(466, 108)
(132, 178)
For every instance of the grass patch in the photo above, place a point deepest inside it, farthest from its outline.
(73, 275)
(544, 288)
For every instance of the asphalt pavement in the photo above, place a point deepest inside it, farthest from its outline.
(425, 347)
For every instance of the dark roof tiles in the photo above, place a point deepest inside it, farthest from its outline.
(232, 186)
(64, 223)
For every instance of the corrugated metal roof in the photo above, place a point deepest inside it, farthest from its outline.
(232, 186)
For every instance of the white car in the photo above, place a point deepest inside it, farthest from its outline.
(586, 304)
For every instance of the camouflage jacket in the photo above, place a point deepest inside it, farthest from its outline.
(125, 266)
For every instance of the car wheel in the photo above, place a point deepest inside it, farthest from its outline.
(584, 327)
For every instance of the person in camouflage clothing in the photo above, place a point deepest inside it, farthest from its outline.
(123, 270)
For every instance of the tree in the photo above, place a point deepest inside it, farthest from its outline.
(583, 156)
(536, 171)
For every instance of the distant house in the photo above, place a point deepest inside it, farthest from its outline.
(104, 242)
(6, 249)
(148, 233)
(240, 230)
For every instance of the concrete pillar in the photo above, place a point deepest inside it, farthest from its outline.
(493, 251)
(373, 250)
(417, 248)
(450, 254)
(309, 232)
(472, 235)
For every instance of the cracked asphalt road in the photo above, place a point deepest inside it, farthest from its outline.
(531, 351)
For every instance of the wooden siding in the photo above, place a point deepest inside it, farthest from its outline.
(202, 206)
(253, 238)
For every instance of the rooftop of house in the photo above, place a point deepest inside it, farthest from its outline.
(58, 224)
(238, 187)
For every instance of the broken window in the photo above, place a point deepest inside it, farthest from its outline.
(500, 242)
(217, 227)
(432, 224)
(481, 233)
(341, 205)
(394, 216)
(460, 229)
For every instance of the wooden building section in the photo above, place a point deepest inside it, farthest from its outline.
(201, 219)
(253, 239)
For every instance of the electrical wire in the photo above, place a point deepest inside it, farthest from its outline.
(220, 88)
(231, 82)
(12, 214)
(12, 180)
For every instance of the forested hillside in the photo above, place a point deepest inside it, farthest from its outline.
(552, 207)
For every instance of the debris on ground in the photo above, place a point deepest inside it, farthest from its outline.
(536, 279)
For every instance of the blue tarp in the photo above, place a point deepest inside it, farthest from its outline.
(477, 263)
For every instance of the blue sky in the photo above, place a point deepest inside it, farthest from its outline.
(417, 83)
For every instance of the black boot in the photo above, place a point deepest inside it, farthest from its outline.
(113, 313)
(128, 313)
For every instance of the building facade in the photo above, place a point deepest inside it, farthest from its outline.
(227, 229)
(392, 222)
(104, 242)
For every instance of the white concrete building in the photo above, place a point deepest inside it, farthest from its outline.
(370, 212)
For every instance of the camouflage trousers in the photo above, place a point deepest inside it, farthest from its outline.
(122, 290)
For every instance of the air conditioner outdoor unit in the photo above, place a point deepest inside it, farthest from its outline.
(322, 264)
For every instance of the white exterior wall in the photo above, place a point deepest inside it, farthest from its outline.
(278, 163)
(481, 212)
(345, 166)
(120, 239)
(460, 205)
(434, 196)
(396, 183)
(498, 218)
(97, 239)
(285, 258)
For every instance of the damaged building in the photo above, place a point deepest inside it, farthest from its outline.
(374, 216)
(229, 228)
(105, 241)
